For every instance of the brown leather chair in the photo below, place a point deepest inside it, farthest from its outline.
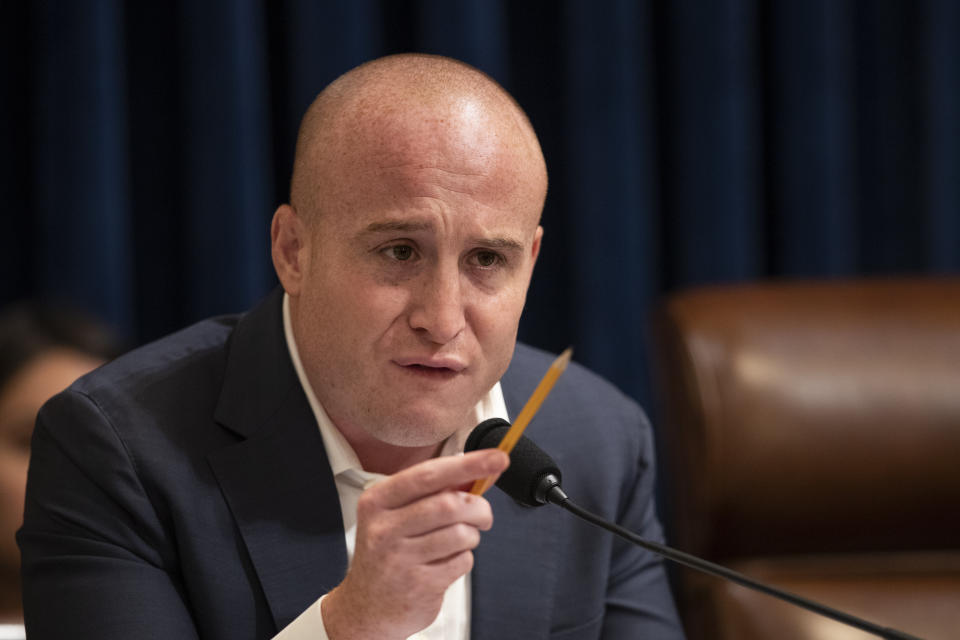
(811, 437)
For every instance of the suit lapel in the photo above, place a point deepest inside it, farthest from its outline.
(277, 479)
(515, 571)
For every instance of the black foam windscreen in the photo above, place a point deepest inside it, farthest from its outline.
(529, 464)
(478, 437)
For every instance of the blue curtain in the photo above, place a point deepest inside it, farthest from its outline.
(146, 144)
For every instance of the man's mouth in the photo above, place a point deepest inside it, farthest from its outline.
(431, 372)
(435, 367)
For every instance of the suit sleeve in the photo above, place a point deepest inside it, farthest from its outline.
(639, 601)
(96, 562)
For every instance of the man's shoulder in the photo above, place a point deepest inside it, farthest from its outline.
(215, 370)
(578, 385)
(183, 354)
(152, 406)
(586, 411)
(585, 419)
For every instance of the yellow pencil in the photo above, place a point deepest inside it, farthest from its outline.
(529, 410)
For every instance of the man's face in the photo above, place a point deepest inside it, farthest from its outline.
(414, 278)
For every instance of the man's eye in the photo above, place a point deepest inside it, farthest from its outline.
(487, 258)
(400, 252)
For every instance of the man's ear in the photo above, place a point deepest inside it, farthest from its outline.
(289, 246)
(535, 249)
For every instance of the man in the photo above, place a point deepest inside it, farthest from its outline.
(290, 471)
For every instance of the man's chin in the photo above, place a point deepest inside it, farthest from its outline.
(422, 429)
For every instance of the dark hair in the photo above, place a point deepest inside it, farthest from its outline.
(29, 328)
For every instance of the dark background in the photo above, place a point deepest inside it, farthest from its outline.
(145, 146)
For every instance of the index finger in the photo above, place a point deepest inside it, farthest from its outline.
(437, 474)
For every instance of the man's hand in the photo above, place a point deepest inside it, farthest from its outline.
(415, 534)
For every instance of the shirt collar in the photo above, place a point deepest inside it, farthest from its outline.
(341, 455)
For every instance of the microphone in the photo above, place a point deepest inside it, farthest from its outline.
(533, 480)
(532, 474)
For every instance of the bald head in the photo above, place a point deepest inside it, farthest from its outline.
(413, 110)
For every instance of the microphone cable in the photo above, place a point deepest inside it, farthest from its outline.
(556, 496)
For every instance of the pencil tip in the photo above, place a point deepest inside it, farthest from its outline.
(564, 359)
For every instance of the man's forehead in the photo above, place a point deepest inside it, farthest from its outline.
(422, 148)
(431, 179)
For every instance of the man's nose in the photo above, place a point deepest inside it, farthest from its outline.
(438, 308)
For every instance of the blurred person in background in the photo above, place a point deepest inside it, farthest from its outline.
(43, 348)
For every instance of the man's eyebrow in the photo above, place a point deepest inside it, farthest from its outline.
(506, 244)
(397, 225)
(410, 226)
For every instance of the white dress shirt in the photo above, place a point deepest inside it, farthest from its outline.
(453, 621)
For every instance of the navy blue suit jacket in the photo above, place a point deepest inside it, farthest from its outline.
(183, 491)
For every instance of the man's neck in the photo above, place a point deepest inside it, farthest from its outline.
(379, 457)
